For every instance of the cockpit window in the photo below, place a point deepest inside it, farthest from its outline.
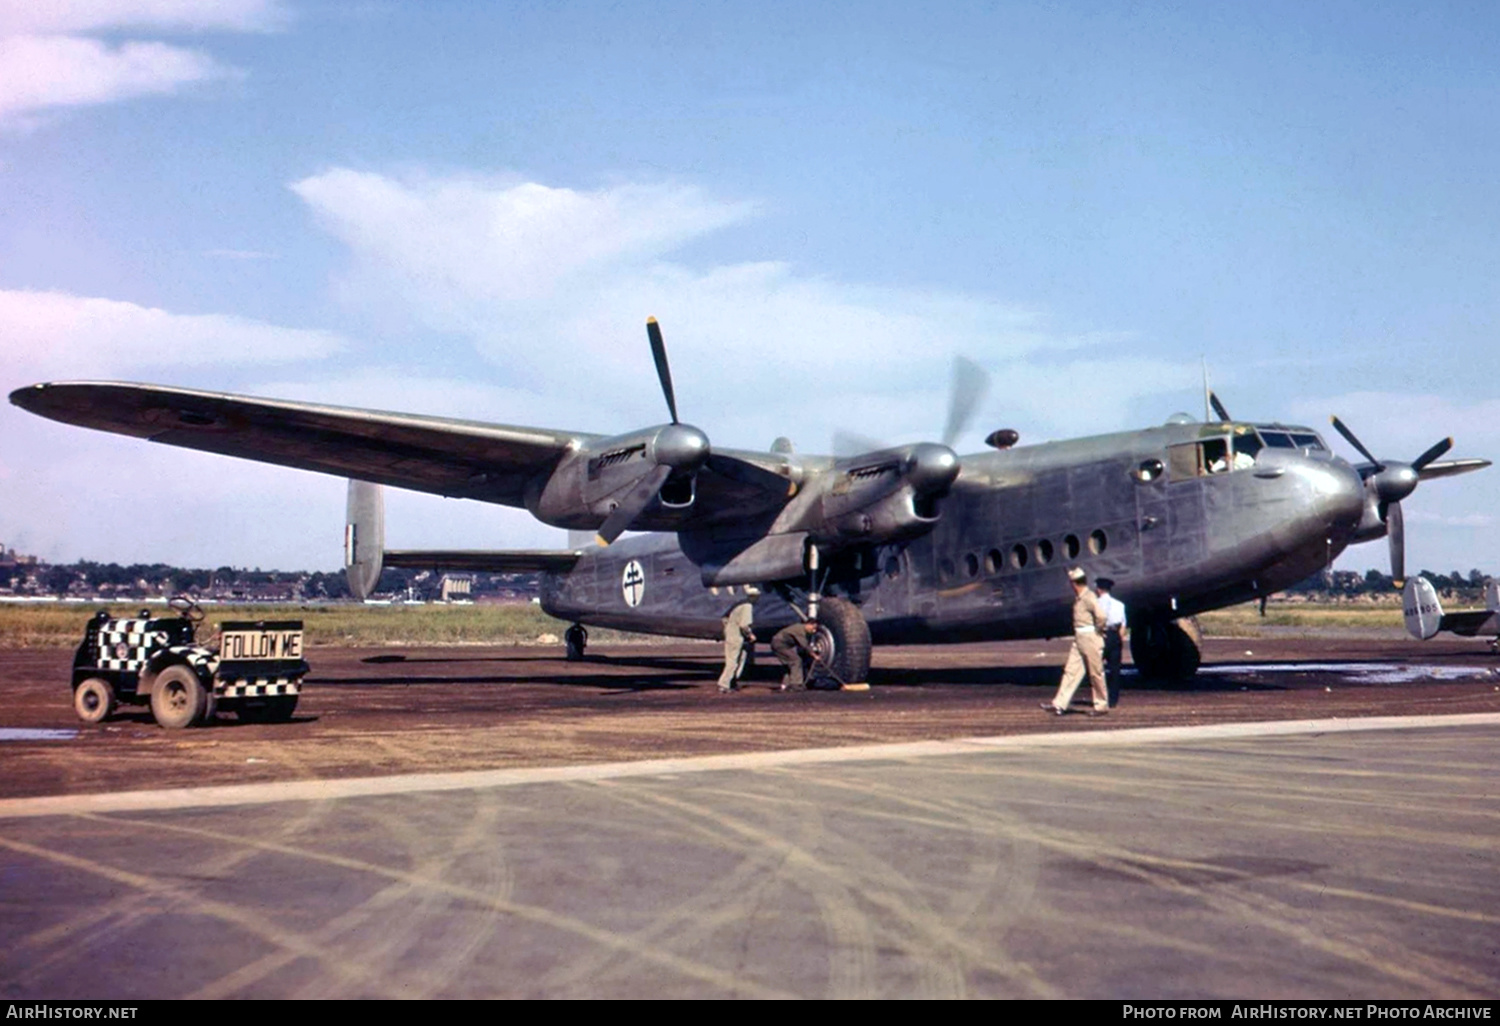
(1307, 441)
(1278, 439)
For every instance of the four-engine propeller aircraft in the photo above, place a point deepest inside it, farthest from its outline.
(908, 543)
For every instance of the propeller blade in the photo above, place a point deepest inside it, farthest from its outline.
(1447, 468)
(630, 507)
(1395, 532)
(1349, 437)
(970, 382)
(1431, 454)
(663, 371)
(1218, 407)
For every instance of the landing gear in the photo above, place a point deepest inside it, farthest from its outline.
(841, 646)
(577, 639)
(1168, 650)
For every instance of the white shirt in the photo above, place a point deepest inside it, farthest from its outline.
(1114, 612)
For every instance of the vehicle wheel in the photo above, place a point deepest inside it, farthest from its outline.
(178, 699)
(841, 646)
(94, 700)
(1166, 650)
(577, 640)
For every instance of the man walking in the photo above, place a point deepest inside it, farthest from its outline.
(737, 634)
(1087, 652)
(1114, 637)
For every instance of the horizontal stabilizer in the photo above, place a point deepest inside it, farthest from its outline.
(503, 561)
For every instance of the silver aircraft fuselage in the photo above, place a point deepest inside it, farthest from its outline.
(1185, 518)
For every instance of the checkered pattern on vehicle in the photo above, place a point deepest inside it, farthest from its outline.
(127, 644)
(260, 687)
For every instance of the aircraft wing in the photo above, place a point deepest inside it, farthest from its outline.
(458, 458)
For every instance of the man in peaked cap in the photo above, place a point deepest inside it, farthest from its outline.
(1087, 652)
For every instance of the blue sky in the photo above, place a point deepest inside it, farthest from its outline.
(470, 208)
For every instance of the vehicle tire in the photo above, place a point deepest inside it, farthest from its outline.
(577, 639)
(178, 699)
(1166, 650)
(841, 646)
(94, 700)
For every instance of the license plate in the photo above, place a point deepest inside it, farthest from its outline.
(260, 644)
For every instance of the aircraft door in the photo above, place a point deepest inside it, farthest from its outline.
(1153, 514)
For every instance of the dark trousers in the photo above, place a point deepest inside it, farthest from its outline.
(1114, 645)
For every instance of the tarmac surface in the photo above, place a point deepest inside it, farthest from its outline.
(1315, 819)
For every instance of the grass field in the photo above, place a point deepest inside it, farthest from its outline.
(61, 624)
(24, 625)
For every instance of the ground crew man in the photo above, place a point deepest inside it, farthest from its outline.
(793, 646)
(1087, 652)
(737, 634)
(1114, 637)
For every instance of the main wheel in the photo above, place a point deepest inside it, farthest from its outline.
(94, 700)
(841, 646)
(1167, 650)
(179, 698)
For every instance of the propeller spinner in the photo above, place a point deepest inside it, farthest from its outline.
(1387, 482)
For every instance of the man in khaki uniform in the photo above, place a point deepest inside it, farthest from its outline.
(1087, 651)
(737, 634)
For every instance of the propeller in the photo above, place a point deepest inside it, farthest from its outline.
(679, 450)
(1218, 407)
(969, 383)
(1387, 482)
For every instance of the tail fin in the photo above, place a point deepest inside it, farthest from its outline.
(364, 537)
(1492, 595)
(1419, 604)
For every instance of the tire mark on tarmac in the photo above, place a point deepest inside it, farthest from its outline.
(99, 925)
(386, 909)
(1166, 873)
(531, 913)
(250, 922)
(933, 934)
(732, 899)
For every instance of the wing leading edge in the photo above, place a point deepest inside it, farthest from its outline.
(457, 458)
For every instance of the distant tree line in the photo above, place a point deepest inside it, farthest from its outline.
(227, 583)
(1349, 583)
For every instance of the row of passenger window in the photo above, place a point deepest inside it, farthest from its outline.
(1020, 555)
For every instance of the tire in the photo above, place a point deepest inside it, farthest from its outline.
(178, 698)
(841, 647)
(577, 640)
(94, 700)
(1167, 650)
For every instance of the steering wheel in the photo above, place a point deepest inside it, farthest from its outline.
(187, 608)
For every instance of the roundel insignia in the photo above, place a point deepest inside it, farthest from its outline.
(633, 583)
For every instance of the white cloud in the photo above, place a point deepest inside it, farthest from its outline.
(58, 71)
(40, 17)
(54, 334)
(553, 285)
(47, 61)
